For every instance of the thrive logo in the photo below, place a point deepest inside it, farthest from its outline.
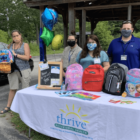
(65, 122)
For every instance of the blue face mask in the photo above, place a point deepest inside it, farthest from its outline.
(91, 46)
(126, 33)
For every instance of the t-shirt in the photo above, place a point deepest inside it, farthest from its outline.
(117, 48)
(69, 55)
(88, 60)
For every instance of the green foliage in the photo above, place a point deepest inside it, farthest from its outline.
(88, 26)
(27, 20)
(3, 115)
(20, 17)
(104, 34)
(4, 37)
(34, 50)
(115, 28)
(59, 27)
(23, 128)
(136, 34)
(137, 26)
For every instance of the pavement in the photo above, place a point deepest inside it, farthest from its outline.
(7, 130)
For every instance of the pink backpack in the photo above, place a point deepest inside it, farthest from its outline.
(73, 77)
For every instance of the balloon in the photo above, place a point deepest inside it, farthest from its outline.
(47, 36)
(54, 14)
(41, 46)
(57, 42)
(49, 18)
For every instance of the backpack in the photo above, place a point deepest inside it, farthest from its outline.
(7, 64)
(115, 79)
(73, 77)
(133, 83)
(31, 63)
(93, 78)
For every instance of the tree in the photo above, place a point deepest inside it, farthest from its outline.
(136, 34)
(104, 34)
(59, 27)
(4, 37)
(137, 26)
(16, 15)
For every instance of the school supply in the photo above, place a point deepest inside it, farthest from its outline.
(93, 78)
(115, 79)
(133, 83)
(73, 77)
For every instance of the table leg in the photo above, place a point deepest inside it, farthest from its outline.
(29, 132)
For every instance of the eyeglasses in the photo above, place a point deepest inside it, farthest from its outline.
(127, 21)
(71, 40)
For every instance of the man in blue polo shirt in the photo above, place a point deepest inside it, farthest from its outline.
(125, 49)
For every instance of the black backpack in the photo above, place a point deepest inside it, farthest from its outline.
(31, 63)
(115, 79)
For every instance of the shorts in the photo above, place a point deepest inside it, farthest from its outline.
(15, 78)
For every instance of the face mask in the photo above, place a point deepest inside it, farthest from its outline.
(71, 43)
(91, 46)
(126, 33)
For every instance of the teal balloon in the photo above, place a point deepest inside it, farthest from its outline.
(49, 18)
(47, 36)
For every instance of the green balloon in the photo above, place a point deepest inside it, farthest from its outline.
(47, 36)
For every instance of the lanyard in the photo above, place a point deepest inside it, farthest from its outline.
(124, 50)
(70, 55)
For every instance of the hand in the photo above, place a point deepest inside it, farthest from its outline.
(14, 53)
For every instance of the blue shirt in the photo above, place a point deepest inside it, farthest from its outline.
(132, 50)
(88, 60)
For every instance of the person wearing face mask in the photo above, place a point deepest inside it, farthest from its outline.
(125, 49)
(92, 54)
(70, 52)
(21, 52)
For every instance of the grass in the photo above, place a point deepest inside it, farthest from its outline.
(3, 115)
(34, 48)
(23, 128)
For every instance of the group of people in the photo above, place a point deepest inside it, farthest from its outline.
(124, 50)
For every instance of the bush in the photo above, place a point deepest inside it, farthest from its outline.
(136, 34)
(4, 37)
(34, 50)
(104, 34)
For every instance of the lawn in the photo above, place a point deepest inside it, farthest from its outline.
(34, 48)
(24, 129)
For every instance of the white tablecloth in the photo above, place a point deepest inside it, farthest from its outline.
(69, 118)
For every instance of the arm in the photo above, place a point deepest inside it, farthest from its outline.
(26, 56)
(78, 57)
(110, 60)
(63, 73)
(109, 52)
(106, 66)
